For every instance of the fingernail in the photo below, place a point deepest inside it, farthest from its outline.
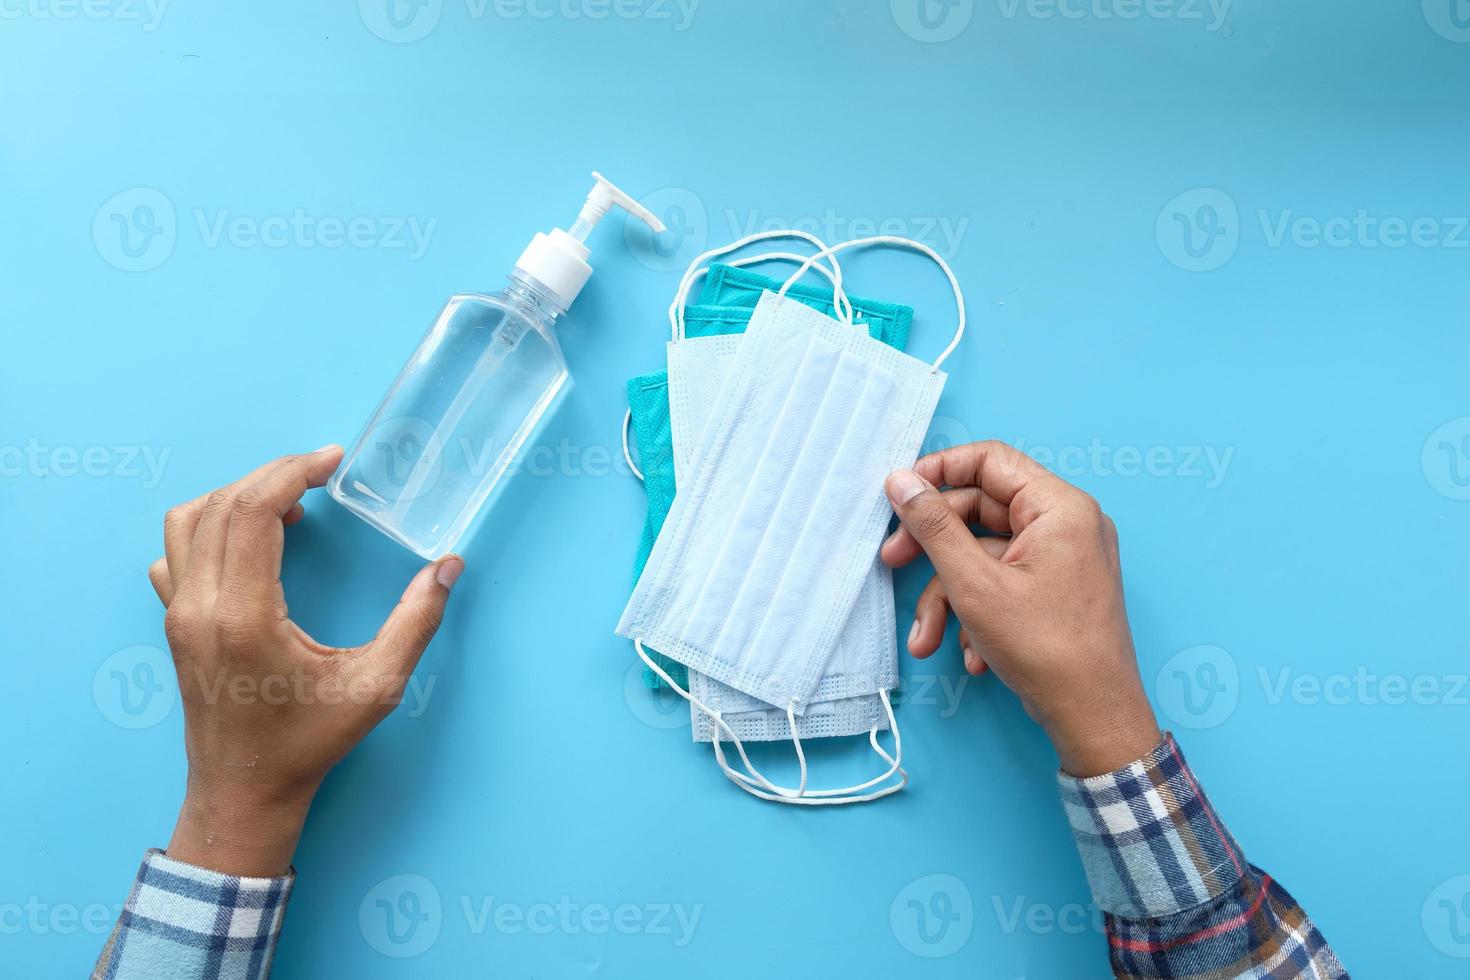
(327, 448)
(972, 660)
(449, 570)
(913, 632)
(903, 486)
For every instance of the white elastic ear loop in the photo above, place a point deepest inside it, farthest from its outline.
(833, 797)
(833, 274)
(715, 716)
(628, 424)
(799, 795)
(696, 268)
(959, 296)
(824, 797)
(840, 302)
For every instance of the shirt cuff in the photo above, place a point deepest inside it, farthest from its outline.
(1150, 841)
(185, 921)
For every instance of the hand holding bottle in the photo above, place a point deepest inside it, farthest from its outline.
(267, 709)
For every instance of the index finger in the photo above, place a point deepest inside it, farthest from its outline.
(1003, 472)
(263, 502)
(999, 469)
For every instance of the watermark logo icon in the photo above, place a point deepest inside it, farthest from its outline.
(1446, 917)
(134, 688)
(401, 916)
(1199, 230)
(933, 916)
(683, 214)
(401, 459)
(657, 708)
(1446, 459)
(135, 230)
(400, 21)
(1450, 19)
(932, 21)
(1198, 687)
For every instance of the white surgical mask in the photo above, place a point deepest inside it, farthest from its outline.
(765, 551)
(846, 700)
(745, 717)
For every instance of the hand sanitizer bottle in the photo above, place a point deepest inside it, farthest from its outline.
(473, 392)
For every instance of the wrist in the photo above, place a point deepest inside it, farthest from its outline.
(1106, 742)
(239, 834)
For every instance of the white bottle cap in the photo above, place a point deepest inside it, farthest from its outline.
(558, 259)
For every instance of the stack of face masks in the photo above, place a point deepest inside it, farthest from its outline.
(724, 307)
(760, 588)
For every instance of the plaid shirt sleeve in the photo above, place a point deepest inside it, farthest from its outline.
(1178, 896)
(188, 923)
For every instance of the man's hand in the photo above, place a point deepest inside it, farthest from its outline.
(268, 710)
(1042, 607)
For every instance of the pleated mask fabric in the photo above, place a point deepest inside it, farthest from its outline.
(846, 700)
(725, 304)
(766, 548)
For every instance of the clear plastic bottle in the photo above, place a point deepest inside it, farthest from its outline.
(473, 393)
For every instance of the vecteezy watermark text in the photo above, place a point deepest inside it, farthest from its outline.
(1018, 914)
(403, 916)
(299, 229)
(1201, 229)
(690, 227)
(299, 687)
(406, 21)
(943, 232)
(137, 229)
(35, 458)
(1211, 14)
(146, 13)
(37, 917)
(568, 917)
(1207, 464)
(933, 690)
(1364, 686)
(135, 688)
(1201, 686)
(937, 21)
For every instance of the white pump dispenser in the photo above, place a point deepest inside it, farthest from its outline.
(488, 371)
(558, 260)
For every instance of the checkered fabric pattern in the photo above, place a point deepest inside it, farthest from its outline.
(1180, 899)
(186, 922)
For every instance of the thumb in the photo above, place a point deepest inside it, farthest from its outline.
(956, 553)
(414, 621)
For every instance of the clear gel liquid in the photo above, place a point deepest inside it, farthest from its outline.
(456, 419)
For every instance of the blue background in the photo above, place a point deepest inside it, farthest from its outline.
(1332, 544)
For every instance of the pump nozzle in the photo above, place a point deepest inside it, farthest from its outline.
(558, 260)
(600, 200)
